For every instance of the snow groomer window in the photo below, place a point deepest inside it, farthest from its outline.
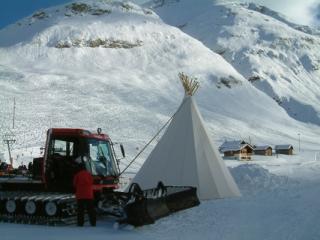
(62, 148)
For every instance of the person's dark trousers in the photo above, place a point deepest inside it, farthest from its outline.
(86, 204)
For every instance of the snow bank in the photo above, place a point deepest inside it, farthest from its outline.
(271, 208)
(253, 179)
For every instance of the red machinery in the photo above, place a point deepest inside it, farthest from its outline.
(48, 190)
(46, 196)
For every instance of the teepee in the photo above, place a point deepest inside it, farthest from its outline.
(186, 155)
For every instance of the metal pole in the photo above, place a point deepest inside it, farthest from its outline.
(9, 152)
(14, 112)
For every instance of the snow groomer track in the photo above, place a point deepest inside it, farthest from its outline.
(37, 208)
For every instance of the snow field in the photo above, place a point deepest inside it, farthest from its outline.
(131, 92)
(271, 207)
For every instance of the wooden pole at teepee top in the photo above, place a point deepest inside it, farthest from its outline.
(190, 85)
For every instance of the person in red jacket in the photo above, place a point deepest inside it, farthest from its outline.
(83, 183)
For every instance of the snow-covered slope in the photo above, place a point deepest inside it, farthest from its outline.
(276, 56)
(115, 65)
(271, 207)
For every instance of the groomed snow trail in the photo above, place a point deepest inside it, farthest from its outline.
(272, 207)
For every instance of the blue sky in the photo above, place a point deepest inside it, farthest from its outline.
(299, 11)
(13, 10)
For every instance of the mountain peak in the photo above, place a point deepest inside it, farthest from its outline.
(276, 56)
(74, 19)
(101, 63)
(278, 16)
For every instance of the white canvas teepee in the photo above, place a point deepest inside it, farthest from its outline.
(186, 156)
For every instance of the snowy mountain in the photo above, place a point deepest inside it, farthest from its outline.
(114, 65)
(278, 57)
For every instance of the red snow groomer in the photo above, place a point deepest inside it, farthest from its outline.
(45, 195)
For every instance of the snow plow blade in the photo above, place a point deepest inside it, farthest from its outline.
(146, 206)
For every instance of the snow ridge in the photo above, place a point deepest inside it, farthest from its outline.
(115, 66)
(276, 56)
(267, 11)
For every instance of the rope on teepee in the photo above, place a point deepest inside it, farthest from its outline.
(142, 150)
(189, 84)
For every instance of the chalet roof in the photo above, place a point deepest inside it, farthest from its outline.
(261, 148)
(237, 145)
(283, 147)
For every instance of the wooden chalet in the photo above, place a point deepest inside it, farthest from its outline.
(284, 149)
(238, 149)
(263, 150)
